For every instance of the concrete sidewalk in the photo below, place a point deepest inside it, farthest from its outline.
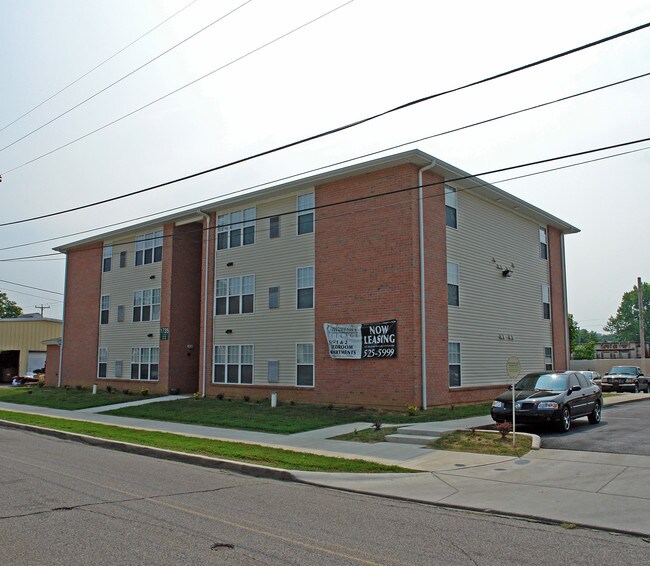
(605, 491)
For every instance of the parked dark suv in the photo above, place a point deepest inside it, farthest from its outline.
(625, 378)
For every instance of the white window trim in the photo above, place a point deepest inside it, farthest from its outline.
(227, 363)
(548, 358)
(149, 241)
(459, 364)
(451, 201)
(456, 282)
(303, 211)
(312, 287)
(543, 241)
(313, 364)
(226, 225)
(546, 292)
(228, 295)
(151, 305)
(99, 362)
(107, 254)
(140, 363)
(107, 309)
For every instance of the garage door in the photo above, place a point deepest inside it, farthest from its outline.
(35, 360)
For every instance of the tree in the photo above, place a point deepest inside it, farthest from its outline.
(584, 351)
(8, 309)
(626, 322)
(574, 329)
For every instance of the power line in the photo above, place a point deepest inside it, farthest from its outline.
(180, 88)
(338, 163)
(411, 188)
(124, 76)
(96, 66)
(30, 287)
(328, 132)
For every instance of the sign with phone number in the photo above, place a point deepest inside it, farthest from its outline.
(357, 341)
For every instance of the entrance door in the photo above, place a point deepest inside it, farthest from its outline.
(9, 364)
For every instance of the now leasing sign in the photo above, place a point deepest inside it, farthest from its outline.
(356, 341)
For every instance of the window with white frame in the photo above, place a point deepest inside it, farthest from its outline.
(451, 207)
(235, 229)
(235, 295)
(146, 305)
(305, 365)
(454, 364)
(305, 287)
(548, 358)
(546, 302)
(102, 362)
(543, 243)
(233, 364)
(107, 257)
(104, 309)
(148, 248)
(144, 363)
(305, 213)
(453, 285)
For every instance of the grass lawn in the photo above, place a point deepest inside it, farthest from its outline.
(483, 443)
(285, 418)
(369, 435)
(59, 398)
(262, 455)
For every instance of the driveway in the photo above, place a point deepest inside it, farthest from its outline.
(624, 429)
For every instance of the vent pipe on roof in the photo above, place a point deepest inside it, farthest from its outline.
(423, 320)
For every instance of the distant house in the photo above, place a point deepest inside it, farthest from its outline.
(348, 287)
(620, 350)
(21, 343)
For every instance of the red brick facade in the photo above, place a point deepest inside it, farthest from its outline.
(81, 315)
(558, 299)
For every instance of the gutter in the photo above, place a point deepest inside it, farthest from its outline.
(423, 320)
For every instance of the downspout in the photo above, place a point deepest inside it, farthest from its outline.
(65, 295)
(423, 320)
(205, 303)
(566, 308)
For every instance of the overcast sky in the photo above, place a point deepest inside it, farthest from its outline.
(363, 58)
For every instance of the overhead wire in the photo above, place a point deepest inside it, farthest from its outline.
(334, 130)
(415, 187)
(30, 287)
(75, 81)
(232, 62)
(130, 73)
(338, 163)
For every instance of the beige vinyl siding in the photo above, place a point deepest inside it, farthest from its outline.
(498, 316)
(274, 333)
(120, 283)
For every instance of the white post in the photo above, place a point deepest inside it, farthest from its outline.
(94, 388)
(513, 412)
(274, 399)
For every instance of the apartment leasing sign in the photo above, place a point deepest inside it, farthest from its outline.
(357, 341)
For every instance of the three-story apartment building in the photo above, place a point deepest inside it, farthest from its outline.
(397, 281)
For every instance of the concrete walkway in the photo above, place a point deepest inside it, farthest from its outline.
(605, 491)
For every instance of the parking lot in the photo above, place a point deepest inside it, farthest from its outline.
(624, 429)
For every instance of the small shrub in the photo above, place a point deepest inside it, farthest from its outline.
(472, 432)
(247, 398)
(126, 392)
(78, 387)
(41, 382)
(360, 409)
(109, 389)
(504, 428)
(144, 391)
(66, 387)
(412, 409)
(330, 407)
(292, 402)
(220, 396)
(377, 426)
(197, 395)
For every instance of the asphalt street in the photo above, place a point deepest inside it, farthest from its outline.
(623, 429)
(66, 503)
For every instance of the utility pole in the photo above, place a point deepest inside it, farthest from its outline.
(41, 307)
(639, 290)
